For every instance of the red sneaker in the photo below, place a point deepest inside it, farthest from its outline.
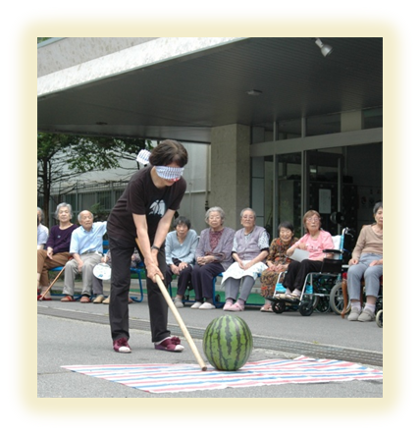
(170, 344)
(121, 345)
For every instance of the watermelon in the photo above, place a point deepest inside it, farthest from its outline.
(227, 343)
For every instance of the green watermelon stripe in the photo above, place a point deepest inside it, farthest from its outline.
(227, 342)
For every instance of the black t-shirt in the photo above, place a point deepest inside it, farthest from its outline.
(142, 197)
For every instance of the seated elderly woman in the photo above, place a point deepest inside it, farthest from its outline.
(250, 249)
(366, 263)
(314, 241)
(58, 247)
(277, 262)
(180, 248)
(213, 256)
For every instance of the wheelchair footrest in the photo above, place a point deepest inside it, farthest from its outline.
(287, 301)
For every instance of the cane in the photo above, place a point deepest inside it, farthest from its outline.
(50, 286)
(179, 320)
(345, 297)
(181, 323)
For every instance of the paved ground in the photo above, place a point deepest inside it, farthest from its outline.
(75, 333)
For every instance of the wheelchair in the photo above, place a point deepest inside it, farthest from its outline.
(340, 302)
(379, 318)
(316, 292)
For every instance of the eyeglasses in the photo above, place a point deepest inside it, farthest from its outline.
(312, 219)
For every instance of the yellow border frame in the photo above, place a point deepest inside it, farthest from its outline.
(22, 383)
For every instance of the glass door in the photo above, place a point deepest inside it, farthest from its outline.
(289, 190)
(325, 187)
(285, 186)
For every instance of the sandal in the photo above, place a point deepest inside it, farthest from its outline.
(266, 309)
(85, 299)
(43, 298)
(67, 298)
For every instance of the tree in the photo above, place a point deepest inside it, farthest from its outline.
(61, 157)
(38, 40)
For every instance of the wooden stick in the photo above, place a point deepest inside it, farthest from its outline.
(181, 323)
(50, 286)
(345, 298)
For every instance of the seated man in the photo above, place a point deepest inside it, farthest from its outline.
(86, 249)
(97, 285)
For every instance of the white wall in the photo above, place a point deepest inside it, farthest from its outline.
(195, 173)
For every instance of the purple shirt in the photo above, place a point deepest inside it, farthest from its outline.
(59, 240)
(223, 250)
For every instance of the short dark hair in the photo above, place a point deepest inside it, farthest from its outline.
(182, 220)
(167, 152)
(286, 224)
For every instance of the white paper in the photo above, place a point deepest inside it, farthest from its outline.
(299, 255)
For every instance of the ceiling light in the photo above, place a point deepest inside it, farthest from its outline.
(325, 48)
(254, 92)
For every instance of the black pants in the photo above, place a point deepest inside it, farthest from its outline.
(184, 278)
(202, 280)
(122, 250)
(297, 271)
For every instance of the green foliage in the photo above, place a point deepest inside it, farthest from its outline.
(84, 154)
(62, 157)
(99, 212)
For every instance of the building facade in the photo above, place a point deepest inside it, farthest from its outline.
(269, 122)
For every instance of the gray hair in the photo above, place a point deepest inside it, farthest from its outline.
(217, 210)
(41, 212)
(79, 215)
(377, 206)
(62, 205)
(248, 209)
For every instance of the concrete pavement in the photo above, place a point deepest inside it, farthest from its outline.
(75, 333)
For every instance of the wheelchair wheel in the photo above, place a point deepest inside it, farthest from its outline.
(337, 299)
(322, 305)
(380, 318)
(307, 304)
(278, 307)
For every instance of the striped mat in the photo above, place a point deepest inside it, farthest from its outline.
(175, 378)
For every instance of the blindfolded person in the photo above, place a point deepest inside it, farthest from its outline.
(145, 211)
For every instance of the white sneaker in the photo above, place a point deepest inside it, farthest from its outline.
(178, 303)
(354, 314)
(206, 306)
(196, 305)
(366, 316)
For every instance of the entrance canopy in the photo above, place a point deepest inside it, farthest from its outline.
(181, 88)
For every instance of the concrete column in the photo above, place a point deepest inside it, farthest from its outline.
(230, 171)
(351, 121)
